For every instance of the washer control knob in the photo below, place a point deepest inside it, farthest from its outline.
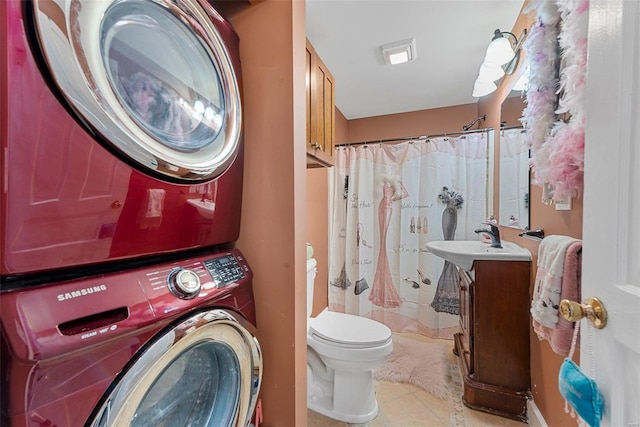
(184, 283)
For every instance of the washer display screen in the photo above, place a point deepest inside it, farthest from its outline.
(224, 270)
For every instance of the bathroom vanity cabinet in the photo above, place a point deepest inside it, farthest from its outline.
(493, 343)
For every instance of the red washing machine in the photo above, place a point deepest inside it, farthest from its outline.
(123, 300)
(168, 345)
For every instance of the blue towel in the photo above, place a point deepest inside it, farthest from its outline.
(580, 392)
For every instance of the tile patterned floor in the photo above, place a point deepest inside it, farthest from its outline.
(405, 405)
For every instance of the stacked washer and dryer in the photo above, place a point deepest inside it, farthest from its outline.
(123, 299)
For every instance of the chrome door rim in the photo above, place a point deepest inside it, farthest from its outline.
(72, 51)
(208, 326)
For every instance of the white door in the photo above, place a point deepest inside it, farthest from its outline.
(611, 233)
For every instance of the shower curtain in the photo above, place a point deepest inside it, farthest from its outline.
(389, 201)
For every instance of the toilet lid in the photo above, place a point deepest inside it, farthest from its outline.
(346, 329)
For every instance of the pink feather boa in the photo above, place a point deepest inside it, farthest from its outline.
(557, 146)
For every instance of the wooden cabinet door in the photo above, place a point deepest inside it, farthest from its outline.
(327, 133)
(320, 109)
(501, 323)
(309, 60)
(318, 105)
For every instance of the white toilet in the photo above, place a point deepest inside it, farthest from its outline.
(342, 351)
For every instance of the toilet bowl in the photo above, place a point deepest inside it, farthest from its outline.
(342, 351)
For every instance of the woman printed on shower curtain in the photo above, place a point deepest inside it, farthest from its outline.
(383, 292)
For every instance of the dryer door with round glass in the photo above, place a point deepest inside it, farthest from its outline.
(152, 79)
(203, 372)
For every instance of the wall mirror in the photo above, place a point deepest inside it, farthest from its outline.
(514, 166)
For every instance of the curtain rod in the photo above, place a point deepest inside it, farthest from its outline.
(409, 138)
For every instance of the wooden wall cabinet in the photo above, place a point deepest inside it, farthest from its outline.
(493, 343)
(321, 116)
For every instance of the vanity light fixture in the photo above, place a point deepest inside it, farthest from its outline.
(500, 51)
(501, 58)
(399, 52)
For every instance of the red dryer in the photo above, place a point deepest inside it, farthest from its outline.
(120, 132)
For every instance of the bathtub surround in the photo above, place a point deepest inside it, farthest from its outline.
(420, 363)
(375, 237)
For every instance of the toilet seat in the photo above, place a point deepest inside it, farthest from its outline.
(346, 330)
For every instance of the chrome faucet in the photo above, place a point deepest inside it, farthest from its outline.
(494, 233)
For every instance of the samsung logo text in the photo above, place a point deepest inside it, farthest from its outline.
(81, 292)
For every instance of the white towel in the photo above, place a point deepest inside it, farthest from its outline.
(548, 286)
(561, 337)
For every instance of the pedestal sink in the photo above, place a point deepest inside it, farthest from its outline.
(464, 252)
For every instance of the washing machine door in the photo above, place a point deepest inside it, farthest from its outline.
(152, 79)
(204, 371)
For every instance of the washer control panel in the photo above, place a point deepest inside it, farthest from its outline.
(172, 288)
(224, 270)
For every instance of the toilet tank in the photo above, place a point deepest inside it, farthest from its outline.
(311, 277)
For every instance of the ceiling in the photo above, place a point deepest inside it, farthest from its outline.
(451, 39)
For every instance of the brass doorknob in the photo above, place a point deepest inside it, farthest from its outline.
(592, 309)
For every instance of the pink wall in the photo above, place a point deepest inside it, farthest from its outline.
(415, 123)
(342, 128)
(318, 232)
(272, 46)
